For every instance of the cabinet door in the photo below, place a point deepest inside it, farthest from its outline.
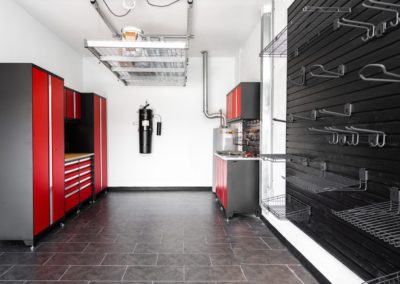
(225, 184)
(77, 105)
(40, 140)
(97, 146)
(103, 130)
(227, 107)
(234, 104)
(239, 102)
(57, 148)
(70, 104)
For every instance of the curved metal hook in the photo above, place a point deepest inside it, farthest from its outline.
(335, 135)
(302, 78)
(392, 23)
(396, 77)
(326, 73)
(397, 20)
(355, 137)
(370, 28)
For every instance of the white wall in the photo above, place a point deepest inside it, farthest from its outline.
(248, 59)
(25, 40)
(182, 156)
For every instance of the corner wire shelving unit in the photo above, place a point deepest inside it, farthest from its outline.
(381, 220)
(287, 207)
(393, 278)
(278, 47)
(144, 63)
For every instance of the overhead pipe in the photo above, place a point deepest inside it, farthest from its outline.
(114, 31)
(219, 115)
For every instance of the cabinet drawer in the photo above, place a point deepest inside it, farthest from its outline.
(86, 192)
(86, 163)
(71, 167)
(85, 177)
(72, 200)
(71, 190)
(71, 183)
(71, 176)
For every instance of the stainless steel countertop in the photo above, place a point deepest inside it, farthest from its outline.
(236, 158)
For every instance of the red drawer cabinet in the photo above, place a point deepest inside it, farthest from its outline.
(237, 185)
(243, 102)
(78, 180)
(73, 104)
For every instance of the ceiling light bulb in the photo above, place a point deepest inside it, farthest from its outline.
(129, 6)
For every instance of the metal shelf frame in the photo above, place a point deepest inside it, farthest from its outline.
(393, 278)
(287, 207)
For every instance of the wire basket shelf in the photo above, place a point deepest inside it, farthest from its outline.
(327, 182)
(283, 158)
(287, 207)
(381, 220)
(393, 278)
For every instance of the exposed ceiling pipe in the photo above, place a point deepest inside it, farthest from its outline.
(219, 115)
(113, 30)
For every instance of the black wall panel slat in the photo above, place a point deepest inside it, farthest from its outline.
(376, 106)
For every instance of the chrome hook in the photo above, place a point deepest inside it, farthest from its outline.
(348, 110)
(375, 138)
(370, 28)
(355, 137)
(391, 23)
(302, 78)
(395, 77)
(335, 135)
(326, 73)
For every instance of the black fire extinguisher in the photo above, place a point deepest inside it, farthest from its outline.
(146, 128)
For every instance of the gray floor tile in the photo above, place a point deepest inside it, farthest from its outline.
(100, 238)
(225, 259)
(214, 273)
(56, 238)
(175, 247)
(208, 248)
(109, 248)
(61, 247)
(113, 273)
(133, 239)
(154, 273)
(4, 269)
(271, 274)
(56, 282)
(130, 259)
(76, 259)
(34, 273)
(274, 243)
(266, 257)
(303, 274)
(25, 258)
(183, 259)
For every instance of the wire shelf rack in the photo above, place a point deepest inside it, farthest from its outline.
(327, 182)
(278, 47)
(287, 207)
(381, 220)
(283, 158)
(393, 278)
(153, 63)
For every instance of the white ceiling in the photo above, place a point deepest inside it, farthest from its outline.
(219, 26)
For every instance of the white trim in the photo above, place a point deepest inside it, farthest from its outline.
(137, 44)
(86, 185)
(84, 167)
(50, 150)
(71, 171)
(71, 163)
(72, 193)
(87, 172)
(71, 178)
(72, 185)
(82, 181)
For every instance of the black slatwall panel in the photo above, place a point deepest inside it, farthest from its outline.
(376, 106)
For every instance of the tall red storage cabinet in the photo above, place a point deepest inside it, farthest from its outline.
(100, 143)
(32, 146)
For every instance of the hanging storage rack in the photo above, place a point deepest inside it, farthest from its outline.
(393, 278)
(323, 73)
(328, 182)
(287, 207)
(278, 46)
(391, 77)
(381, 220)
(143, 62)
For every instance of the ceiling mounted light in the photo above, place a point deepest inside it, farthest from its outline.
(131, 33)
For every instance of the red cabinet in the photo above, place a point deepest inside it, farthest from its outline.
(237, 185)
(243, 102)
(48, 149)
(73, 104)
(100, 144)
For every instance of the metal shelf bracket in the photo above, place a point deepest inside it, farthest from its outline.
(325, 73)
(302, 81)
(348, 111)
(343, 22)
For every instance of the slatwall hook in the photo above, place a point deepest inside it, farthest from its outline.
(375, 138)
(395, 77)
(335, 135)
(355, 136)
(348, 111)
(327, 9)
(313, 116)
(302, 81)
(370, 28)
(393, 23)
(325, 73)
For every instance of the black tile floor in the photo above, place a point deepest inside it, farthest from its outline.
(153, 237)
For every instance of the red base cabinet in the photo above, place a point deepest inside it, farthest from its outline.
(237, 183)
(32, 194)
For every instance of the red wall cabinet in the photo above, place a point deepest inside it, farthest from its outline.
(100, 144)
(31, 197)
(73, 104)
(243, 102)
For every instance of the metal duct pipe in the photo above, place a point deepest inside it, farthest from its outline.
(205, 93)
